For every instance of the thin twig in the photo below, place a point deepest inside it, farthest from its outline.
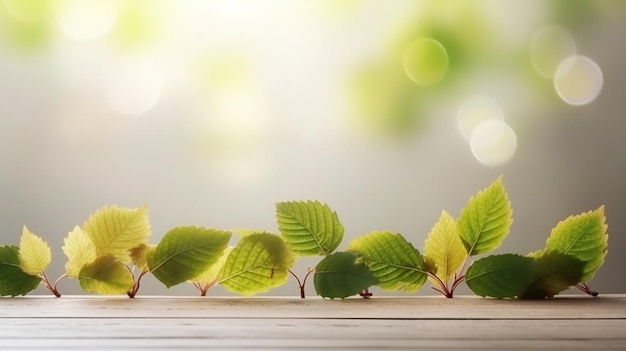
(48, 286)
(586, 289)
(457, 281)
(443, 286)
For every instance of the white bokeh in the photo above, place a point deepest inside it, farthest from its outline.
(493, 143)
(84, 20)
(475, 110)
(578, 80)
(133, 86)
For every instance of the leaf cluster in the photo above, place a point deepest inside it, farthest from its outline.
(110, 254)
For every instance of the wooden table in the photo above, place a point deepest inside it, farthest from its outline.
(288, 323)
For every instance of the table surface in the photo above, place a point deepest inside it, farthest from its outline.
(288, 323)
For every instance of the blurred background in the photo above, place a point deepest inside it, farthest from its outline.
(210, 112)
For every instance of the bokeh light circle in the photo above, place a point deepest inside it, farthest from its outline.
(493, 143)
(578, 80)
(426, 61)
(132, 87)
(474, 110)
(549, 47)
(86, 19)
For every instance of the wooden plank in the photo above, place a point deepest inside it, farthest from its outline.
(287, 333)
(310, 344)
(274, 323)
(68, 328)
(604, 307)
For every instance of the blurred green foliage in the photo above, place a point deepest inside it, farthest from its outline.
(387, 101)
(26, 25)
(138, 24)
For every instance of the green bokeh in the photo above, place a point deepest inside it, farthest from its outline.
(426, 61)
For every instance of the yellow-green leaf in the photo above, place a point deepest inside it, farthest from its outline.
(444, 249)
(139, 255)
(258, 263)
(116, 230)
(185, 252)
(209, 276)
(79, 250)
(486, 219)
(241, 232)
(106, 276)
(584, 237)
(309, 227)
(35, 255)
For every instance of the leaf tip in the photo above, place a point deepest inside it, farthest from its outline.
(600, 211)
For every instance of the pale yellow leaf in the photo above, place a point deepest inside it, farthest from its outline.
(79, 250)
(139, 255)
(116, 230)
(443, 248)
(35, 255)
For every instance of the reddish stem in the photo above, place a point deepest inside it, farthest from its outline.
(135, 288)
(455, 284)
(444, 289)
(366, 294)
(205, 289)
(437, 290)
(52, 288)
(302, 284)
(299, 283)
(586, 289)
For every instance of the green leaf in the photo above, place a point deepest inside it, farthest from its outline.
(79, 250)
(554, 273)
(185, 252)
(13, 280)
(393, 261)
(584, 237)
(500, 275)
(34, 255)
(106, 276)
(116, 230)
(310, 228)
(443, 249)
(486, 219)
(258, 263)
(339, 275)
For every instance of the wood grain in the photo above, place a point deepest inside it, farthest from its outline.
(412, 323)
